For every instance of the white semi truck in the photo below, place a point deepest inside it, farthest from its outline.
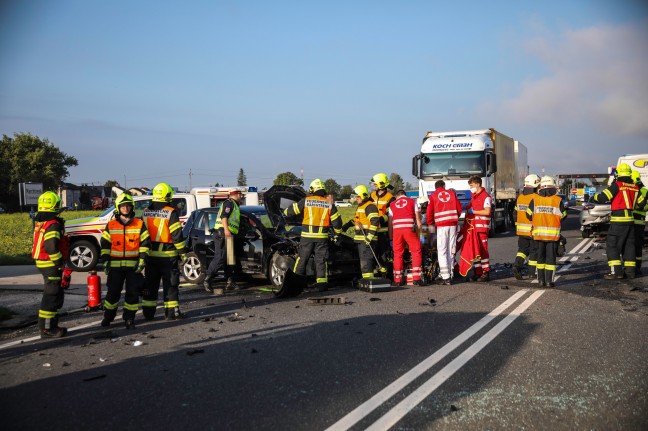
(453, 157)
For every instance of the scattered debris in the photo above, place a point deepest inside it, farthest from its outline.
(504, 287)
(454, 408)
(327, 300)
(89, 379)
(66, 364)
(47, 365)
(102, 360)
(254, 351)
(430, 302)
(150, 336)
(137, 343)
(195, 352)
(212, 330)
(235, 317)
(372, 299)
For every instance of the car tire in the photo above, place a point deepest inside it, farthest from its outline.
(84, 256)
(193, 270)
(279, 264)
(585, 233)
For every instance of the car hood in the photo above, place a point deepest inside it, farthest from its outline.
(277, 199)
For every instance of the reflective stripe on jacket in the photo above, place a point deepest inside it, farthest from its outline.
(444, 208)
(125, 244)
(403, 213)
(233, 219)
(367, 215)
(157, 223)
(482, 222)
(546, 218)
(522, 223)
(382, 205)
(47, 235)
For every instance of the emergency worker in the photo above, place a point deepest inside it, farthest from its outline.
(527, 248)
(124, 246)
(319, 214)
(546, 210)
(50, 250)
(166, 252)
(226, 226)
(366, 223)
(639, 215)
(622, 195)
(382, 198)
(480, 208)
(443, 213)
(404, 225)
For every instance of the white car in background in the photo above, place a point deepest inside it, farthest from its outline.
(341, 204)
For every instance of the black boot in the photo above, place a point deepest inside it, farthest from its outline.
(616, 273)
(57, 332)
(174, 314)
(517, 272)
(541, 278)
(109, 316)
(207, 285)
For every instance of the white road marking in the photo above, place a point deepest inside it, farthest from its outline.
(572, 256)
(374, 402)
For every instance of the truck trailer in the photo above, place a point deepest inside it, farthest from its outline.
(500, 161)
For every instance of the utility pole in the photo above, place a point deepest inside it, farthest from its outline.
(190, 186)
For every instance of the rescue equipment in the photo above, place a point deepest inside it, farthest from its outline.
(94, 291)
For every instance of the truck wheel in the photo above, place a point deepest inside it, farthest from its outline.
(84, 256)
(193, 269)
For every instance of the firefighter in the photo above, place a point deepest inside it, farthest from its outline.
(404, 225)
(639, 215)
(124, 246)
(527, 248)
(166, 252)
(49, 251)
(319, 214)
(443, 212)
(480, 210)
(226, 226)
(382, 198)
(622, 196)
(546, 210)
(366, 223)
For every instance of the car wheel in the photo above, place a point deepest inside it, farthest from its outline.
(279, 264)
(83, 256)
(585, 233)
(193, 269)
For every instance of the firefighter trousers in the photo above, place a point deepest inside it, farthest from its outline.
(402, 238)
(620, 246)
(367, 259)
(319, 249)
(527, 248)
(546, 266)
(52, 299)
(133, 281)
(446, 242)
(158, 269)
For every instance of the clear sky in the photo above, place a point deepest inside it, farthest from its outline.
(147, 91)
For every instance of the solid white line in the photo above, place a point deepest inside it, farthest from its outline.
(372, 403)
(411, 401)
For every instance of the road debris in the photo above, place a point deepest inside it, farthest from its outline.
(195, 352)
(335, 300)
(137, 343)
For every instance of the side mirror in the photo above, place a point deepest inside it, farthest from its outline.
(416, 162)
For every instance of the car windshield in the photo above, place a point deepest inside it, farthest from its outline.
(453, 164)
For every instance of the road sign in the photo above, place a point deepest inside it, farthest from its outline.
(29, 193)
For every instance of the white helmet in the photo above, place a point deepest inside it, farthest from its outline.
(532, 180)
(546, 182)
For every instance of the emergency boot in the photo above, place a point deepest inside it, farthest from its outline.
(616, 273)
(541, 278)
(130, 323)
(549, 277)
(231, 284)
(533, 274)
(207, 284)
(484, 278)
(57, 332)
(517, 272)
(108, 317)
(321, 287)
(174, 314)
(420, 282)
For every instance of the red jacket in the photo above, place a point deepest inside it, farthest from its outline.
(403, 213)
(444, 208)
(477, 202)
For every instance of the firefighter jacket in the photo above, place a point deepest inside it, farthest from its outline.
(229, 210)
(522, 222)
(49, 240)
(622, 196)
(404, 213)
(367, 216)
(480, 201)
(318, 215)
(382, 204)
(125, 243)
(165, 230)
(444, 208)
(545, 211)
(639, 212)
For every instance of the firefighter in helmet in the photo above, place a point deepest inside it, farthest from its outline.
(166, 252)
(50, 250)
(366, 223)
(639, 214)
(319, 215)
(382, 198)
(527, 248)
(124, 246)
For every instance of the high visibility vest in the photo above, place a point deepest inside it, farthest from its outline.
(38, 249)
(382, 204)
(157, 223)
(522, 223)
(546, 218)
(317, 217)
(446, 208)
(403, 213)
(624, 202)
(125, 243)
(232, 221)
(640, 213)
(365, 220)
(481, 222)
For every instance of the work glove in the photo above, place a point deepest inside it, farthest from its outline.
(106, 267)
(337, 240)
(368, 240)
(140, 266)
(66, 278)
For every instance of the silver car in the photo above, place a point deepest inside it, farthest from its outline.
(594, 219)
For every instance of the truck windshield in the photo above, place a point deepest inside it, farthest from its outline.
(453, 164)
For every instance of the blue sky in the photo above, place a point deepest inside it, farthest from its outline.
(147, 91)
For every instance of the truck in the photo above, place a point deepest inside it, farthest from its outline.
(500, 161)
(85, 233)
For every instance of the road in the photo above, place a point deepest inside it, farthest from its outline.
(471, 356)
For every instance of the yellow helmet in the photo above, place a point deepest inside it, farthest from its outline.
(361, 191)
(636, 176)
(532, 181)
(316, 185)
(49, 202)
(547, 181)
(623, 170)
(162, 193)
(380, 180)
(123, 199)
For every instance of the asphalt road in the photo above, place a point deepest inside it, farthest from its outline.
(472, 356)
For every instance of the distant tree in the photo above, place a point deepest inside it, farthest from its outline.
(408, 186)
(288, 179)
(28, 158)
(396, 181)
(242, 179)
(332, 188)
(111, 184)
(345, 192)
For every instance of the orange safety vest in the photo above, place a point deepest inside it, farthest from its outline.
(157, 223)
(522, 223)
(125, 241)
(365, 221)
(382, 203)
(317, 215)
(546, 218)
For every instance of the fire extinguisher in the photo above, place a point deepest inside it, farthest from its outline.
(94, 291)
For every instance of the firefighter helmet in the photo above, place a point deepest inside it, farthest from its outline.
(361, 191)
(546, 182)
(316, 185)
(623, 170)
(532, 181)
(162, 193)
(380, 180)
(124, 199)
(49, 202)
(636, 176)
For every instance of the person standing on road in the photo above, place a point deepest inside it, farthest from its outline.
(443, 212)
(527, 248)
(226, 226)
(622, 196)
(366, 223)
(404, 226)
(49, 250)
(166, 252)
(546, 210)
(480, 211)
(639, 215)
(319, 214)
(124, 246)
(382, 198)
